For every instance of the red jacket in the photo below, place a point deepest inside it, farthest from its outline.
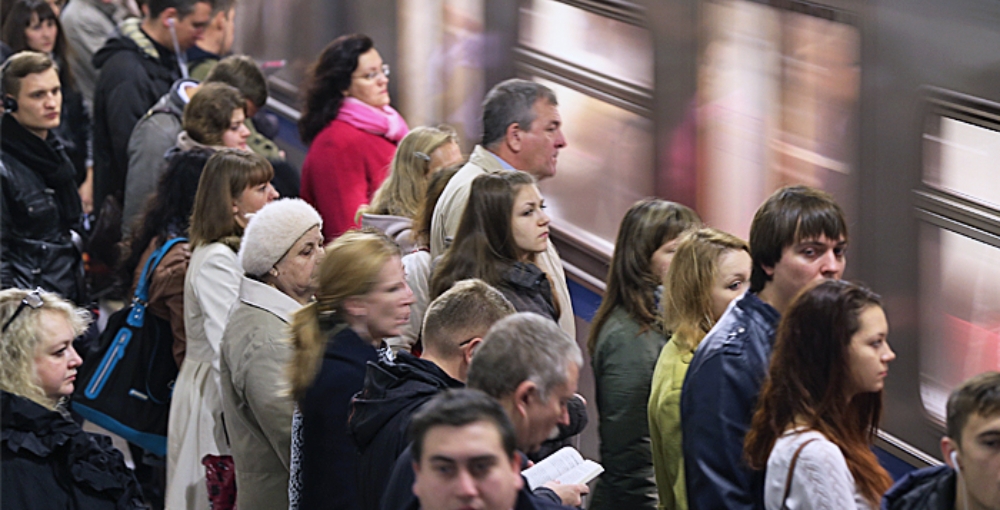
(343, 169)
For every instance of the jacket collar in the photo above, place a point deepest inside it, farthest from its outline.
(486, 160)
(755, 307)
(268, 298)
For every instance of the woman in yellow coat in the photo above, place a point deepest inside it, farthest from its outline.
(709, 269)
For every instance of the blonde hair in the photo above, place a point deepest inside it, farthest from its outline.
(350, 267)
(21, 341)
(687, 296)
(227, 174)
(404, 189)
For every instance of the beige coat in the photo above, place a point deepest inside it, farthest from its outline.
(448, 214)
(258, 413)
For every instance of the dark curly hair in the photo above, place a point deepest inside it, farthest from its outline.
(168, 212)
(327, 80)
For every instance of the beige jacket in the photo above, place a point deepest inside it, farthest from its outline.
(258, 415)
(448, 214)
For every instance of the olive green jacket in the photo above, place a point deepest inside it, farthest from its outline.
(623, 362)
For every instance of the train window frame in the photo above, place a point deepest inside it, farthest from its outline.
(936, 206)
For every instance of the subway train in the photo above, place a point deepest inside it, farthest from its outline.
(893, 106)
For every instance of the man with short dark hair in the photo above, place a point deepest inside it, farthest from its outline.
(454, 326)
(798, 236)
(970, 479)
(465, 456)
(522, 130)
(529, 365)
(215, 43)
(41, 207)
(137, 65)
(156, 132)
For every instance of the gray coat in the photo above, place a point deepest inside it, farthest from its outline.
(86, 25)
(258, 417)
(154, 134)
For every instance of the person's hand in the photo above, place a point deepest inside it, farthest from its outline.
(86, 191)
(570, 493)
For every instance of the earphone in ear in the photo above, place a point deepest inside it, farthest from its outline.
(9, 104)
(954, 460)
(170, 21)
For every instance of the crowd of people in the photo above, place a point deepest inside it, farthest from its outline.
(402, 336)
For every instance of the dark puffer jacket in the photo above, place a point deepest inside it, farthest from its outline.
(528, 289)
(40, 208)
(930, 488)
(49, 462)
(381, 415)
(134, 72)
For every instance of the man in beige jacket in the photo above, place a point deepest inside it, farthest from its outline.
(522, 130)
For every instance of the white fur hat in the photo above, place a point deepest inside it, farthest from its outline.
(273, 231)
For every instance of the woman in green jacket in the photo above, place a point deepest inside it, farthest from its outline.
(625, 338)
(710, 268)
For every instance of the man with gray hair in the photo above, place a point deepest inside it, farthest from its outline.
(529, 365)
(522, 130)
(454, 326)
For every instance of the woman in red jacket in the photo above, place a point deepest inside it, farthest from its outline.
(350, 128)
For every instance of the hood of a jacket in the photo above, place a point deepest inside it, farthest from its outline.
(391, 388)
(930, 488)
(129, 37)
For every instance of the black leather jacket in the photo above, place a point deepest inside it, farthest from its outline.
(717, 403)
(40, 207)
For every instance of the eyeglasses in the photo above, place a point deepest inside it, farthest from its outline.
(33, 300)
(372, 76)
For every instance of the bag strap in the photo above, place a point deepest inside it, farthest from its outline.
(791, 472)
(142, 289)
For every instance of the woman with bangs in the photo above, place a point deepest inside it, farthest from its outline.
(626, 336)
(34, 25)
(502, 230)
(215, 119)
(709, 269)
(362, 299)
(234, 185)
(820, 406)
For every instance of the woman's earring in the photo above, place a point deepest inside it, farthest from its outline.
(273, 272)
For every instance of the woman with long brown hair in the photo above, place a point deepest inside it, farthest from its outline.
(626, 336)
(820, 406)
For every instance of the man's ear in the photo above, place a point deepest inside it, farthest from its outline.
(948, 448)
(168, 14)
(512, 137)
(523, 395)
(515, 466)
(470, 349)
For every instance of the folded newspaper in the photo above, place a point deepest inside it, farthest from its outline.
(564, 466)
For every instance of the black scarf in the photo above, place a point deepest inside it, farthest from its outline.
(48, 159)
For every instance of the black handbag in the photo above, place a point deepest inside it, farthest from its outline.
(125, 386)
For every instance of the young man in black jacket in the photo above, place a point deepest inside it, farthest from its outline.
(454, 326)
(971, 478)
(41, 206)
(137, 65)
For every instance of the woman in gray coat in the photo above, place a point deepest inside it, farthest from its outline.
(281, 248)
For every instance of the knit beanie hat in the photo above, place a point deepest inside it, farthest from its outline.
(273, 231)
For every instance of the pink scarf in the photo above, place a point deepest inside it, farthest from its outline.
(384, 121)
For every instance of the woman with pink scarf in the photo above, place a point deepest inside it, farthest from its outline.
(350, 129)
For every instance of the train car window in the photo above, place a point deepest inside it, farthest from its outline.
(777, 105)
(606, 166)
(960, 313)
(602, 44)
(962, 160)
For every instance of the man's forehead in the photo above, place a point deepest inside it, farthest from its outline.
(461, 443)
(39, 81)
(820, 239)
(979, 424)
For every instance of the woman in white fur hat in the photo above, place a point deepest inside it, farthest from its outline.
(281, 249)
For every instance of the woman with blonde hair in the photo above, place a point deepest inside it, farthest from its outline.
(709, 269)
(362, 299)
(234, 185)
(625, 338)
(46, 455)
(394, 207)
